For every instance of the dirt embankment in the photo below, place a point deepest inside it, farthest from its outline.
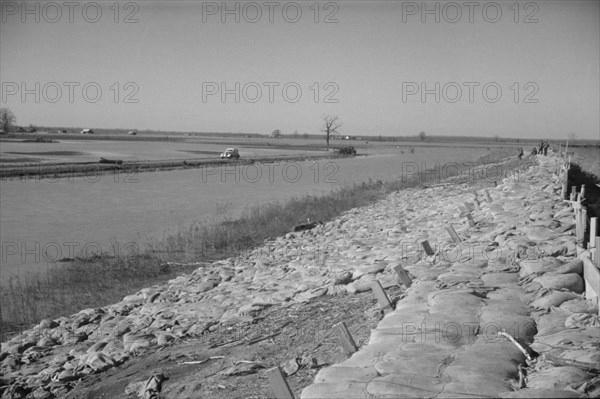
(213, 332)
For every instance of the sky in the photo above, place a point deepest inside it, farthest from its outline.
(505, 68)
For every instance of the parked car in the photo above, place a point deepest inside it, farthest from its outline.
(230, 153)
(348, 150)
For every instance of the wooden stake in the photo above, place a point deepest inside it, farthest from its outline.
(573, 193)
(489, 197)
(346, 340)
(583, 191)
(427, 248)
(470, 220)
(583, 224)
(593, 232)
(565, 189)
(380, 294)
(278, 383)
(403, 276)
(453, 234)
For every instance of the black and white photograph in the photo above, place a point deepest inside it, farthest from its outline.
(303, 199)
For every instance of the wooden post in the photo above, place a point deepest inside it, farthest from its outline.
(427, 248)
(403, 276)
(598, 252)
(583, 191)
(346, 340)
(380, 294)
(489, 197)
(593, 232)
(573, 193)
(278, 383)
(453, 234)
(470, 220)
(565, 188)
(583, 225)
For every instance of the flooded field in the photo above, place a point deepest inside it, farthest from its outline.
(48, 219)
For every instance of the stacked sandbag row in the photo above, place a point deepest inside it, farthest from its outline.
(440, 341)
(567, 345)
(469, 322)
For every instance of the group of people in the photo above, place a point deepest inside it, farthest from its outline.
(543, 148)
(544, 145)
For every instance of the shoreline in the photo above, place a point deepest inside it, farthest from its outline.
(78, 169)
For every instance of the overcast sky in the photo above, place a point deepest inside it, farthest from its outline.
(530, 70)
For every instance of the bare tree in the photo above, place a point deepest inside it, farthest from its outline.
(332, 124)
(7, 119)
(422, 136)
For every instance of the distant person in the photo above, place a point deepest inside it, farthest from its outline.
(541, 146)
(520, 153)
(534, 151)
(546, 145)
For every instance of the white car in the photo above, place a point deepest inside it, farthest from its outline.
(230, 153)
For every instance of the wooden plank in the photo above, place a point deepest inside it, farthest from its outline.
(583, 224)
(346, 340)
(591, 275)
(279, 384)
(380, 294)
(470, 220)
(427, 248)
(403, 276)
(593, 231)
(453, 234)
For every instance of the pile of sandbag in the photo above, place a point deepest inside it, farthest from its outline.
(567, 344)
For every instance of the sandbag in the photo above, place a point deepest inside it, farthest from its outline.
(575, 266)
(530, 266)
(580, 305)
(547, 298)
(341, 389)
(571, 281)
(557, 378)
(582, 320)
(540, 393)
(551, 320)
